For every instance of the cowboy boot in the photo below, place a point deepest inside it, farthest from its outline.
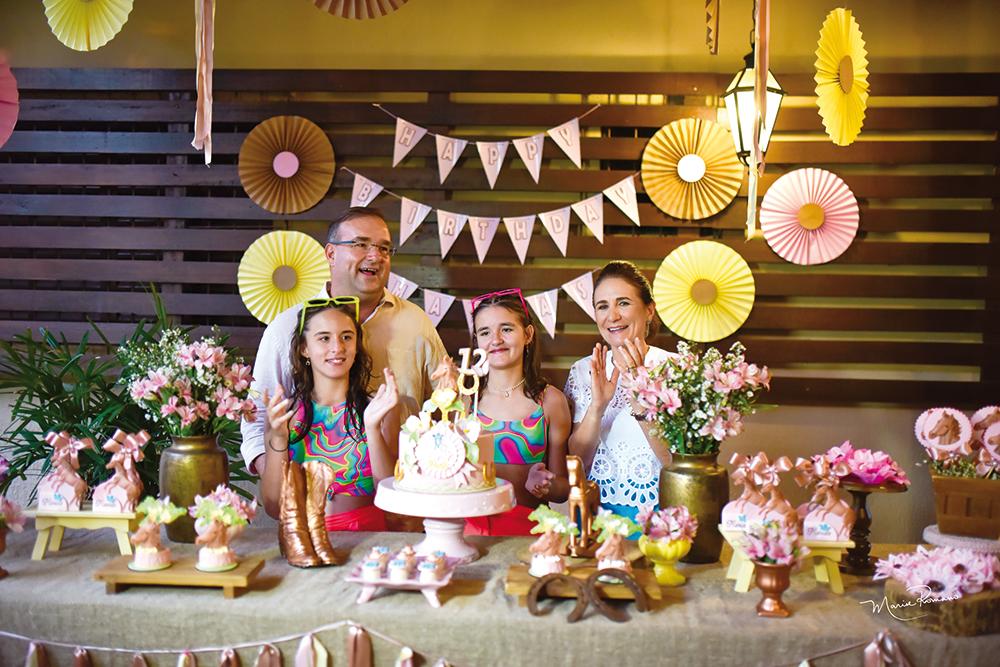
(319, 476)
(293, 529)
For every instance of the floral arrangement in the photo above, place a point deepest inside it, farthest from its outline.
(11, 516)
(945, 572)
(958, 446)
(698, 400)
(225, 506)
(197, 388)
(613, 524)
(864, 465)
(669, 524)
(774, 543)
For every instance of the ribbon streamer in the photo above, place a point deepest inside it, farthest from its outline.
(359, 647)
(885, 651)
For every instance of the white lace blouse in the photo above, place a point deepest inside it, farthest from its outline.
(624, 466)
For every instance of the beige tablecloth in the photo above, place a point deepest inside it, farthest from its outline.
(703, 622)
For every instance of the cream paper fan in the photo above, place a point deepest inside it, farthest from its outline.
(703, 291)
(86, 25)
(279, 270)
(690, 169)
(841, 77)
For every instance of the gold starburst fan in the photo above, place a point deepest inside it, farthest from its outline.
(690, 169)
(704, 291)
(279, 270)
(841, 76)
(360, 9)
(286, 164)
(86, 25)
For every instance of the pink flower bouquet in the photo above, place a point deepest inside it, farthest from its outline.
(943, 573)
(669, 524)
(11, 517)
(866, 466)
(773, 543)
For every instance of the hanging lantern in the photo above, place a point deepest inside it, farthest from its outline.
(739, 99)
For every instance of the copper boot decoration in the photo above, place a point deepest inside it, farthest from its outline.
(319, 476)
(293, 528)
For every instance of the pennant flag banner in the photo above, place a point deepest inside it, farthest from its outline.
(411, 215)
(483, 230)
(467, 308)
(557, 224)
(567, 137)
(364, 191)
(400, 286)
(544, 305)
(187, 659)
(311, 653)
(436, 304)
(81, 658)
(530, 150)
(581, 290)
(519, 229)
(448, 152)
(359, 647)
(591, 211)
(492, 153)
(229, 658)
(449, 226)
(268, 656)
(622, 195)
(407, 136)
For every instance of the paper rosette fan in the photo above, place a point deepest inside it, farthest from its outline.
(9, 101)
(86, 25)
(809, 216)
(279, 270)
(841, 76)
(690, 169)
(360, 9)
(704, 291)
(286, 164)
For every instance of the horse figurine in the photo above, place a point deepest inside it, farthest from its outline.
(767, 479)
(121, 492)
(748, 508)
(827, 516)
(63, 490)
(584, 500)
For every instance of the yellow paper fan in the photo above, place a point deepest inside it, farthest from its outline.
(86, 25)
(690, 169)
(279, 270)
(841, 76)
(704, 291)
(286, 164)
(360, 9)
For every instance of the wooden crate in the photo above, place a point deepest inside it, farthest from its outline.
(967, 506)
(968, 616)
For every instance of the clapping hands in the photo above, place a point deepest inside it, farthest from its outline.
(539, 480)
(384, 400)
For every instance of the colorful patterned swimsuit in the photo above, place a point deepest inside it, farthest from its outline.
(518, 441)
(328, 440)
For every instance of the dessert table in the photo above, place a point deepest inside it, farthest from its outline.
(703, 622)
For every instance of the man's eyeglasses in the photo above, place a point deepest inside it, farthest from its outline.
(383, 249)
(312, 304)
(515, 291)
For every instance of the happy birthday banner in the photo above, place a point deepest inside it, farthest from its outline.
(491, 153)
(519, 228)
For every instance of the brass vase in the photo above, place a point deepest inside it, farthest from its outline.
(699, 483)
(772, 580)
(191, 466)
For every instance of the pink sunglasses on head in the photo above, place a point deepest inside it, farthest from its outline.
(497, 295)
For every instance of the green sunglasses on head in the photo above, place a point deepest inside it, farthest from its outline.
(312, 304)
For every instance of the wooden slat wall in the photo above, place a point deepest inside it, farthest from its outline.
(101, 192)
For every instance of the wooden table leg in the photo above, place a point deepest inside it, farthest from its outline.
(41, 542)
(111, 587)
(745, 577)
(833, 574)
(820, 569)
(124, 546)
(432, 597)
(57, 536)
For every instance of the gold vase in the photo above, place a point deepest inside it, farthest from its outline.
(699, 483)
(772, 580)
(191, 466)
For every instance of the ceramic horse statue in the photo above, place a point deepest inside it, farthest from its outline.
(584, 500)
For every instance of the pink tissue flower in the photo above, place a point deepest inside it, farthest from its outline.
(11, 516)
(670, 523)
(867, 466)
(944, 572)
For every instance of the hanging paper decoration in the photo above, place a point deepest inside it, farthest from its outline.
(436, 304)
(591, 211)
(286, 164)
(557, 224)
(407, 136)
(703, 291)
(81, 658)
(187, 659)
(311, 653)
(360, 9)
(483, 230)
(405, 658)
(359, 647)
(268, 656)
(9, 100)
(138, 660)
(467, 309)
(841, 76)
(86, 25)
(530, 149)
(204, 55)
(712, 26)
(411, 215)
(544, 305)
(809, 216)
(622, 195)
(449, 227)
(581, 290)
(364, 191)
(400, 286)
(448, 152)
(519, 229)
(690, 169)
(37, 656)
(492, 153)
(567, 137)
(279, 270)
(229, 658)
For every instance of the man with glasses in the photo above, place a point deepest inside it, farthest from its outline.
(397, 334)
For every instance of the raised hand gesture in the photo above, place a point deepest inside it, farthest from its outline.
(539, 480)
(278, 417)
(385, 399)
(630, 356)
(602, 389)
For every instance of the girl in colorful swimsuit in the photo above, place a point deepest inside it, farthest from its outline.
(528, 417)
(331, 417)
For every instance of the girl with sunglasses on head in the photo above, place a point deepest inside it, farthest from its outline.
(528, 418)
(330, 416)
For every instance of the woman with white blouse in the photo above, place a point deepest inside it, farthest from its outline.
(617, 449)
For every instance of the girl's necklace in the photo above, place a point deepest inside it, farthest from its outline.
(506, 392)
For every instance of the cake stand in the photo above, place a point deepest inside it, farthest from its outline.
(445, 513)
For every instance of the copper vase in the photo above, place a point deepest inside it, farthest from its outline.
(699, 483)
(191, 466)
(772, 580)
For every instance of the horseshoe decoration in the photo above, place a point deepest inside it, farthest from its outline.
(478, 368)
(540, 587)
(616, 615)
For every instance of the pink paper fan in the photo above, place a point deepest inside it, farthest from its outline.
(809, 216)
(9, 104)
(944, 432)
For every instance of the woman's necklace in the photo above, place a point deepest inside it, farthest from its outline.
(506, 392)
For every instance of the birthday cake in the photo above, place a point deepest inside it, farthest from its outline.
(440, 450)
